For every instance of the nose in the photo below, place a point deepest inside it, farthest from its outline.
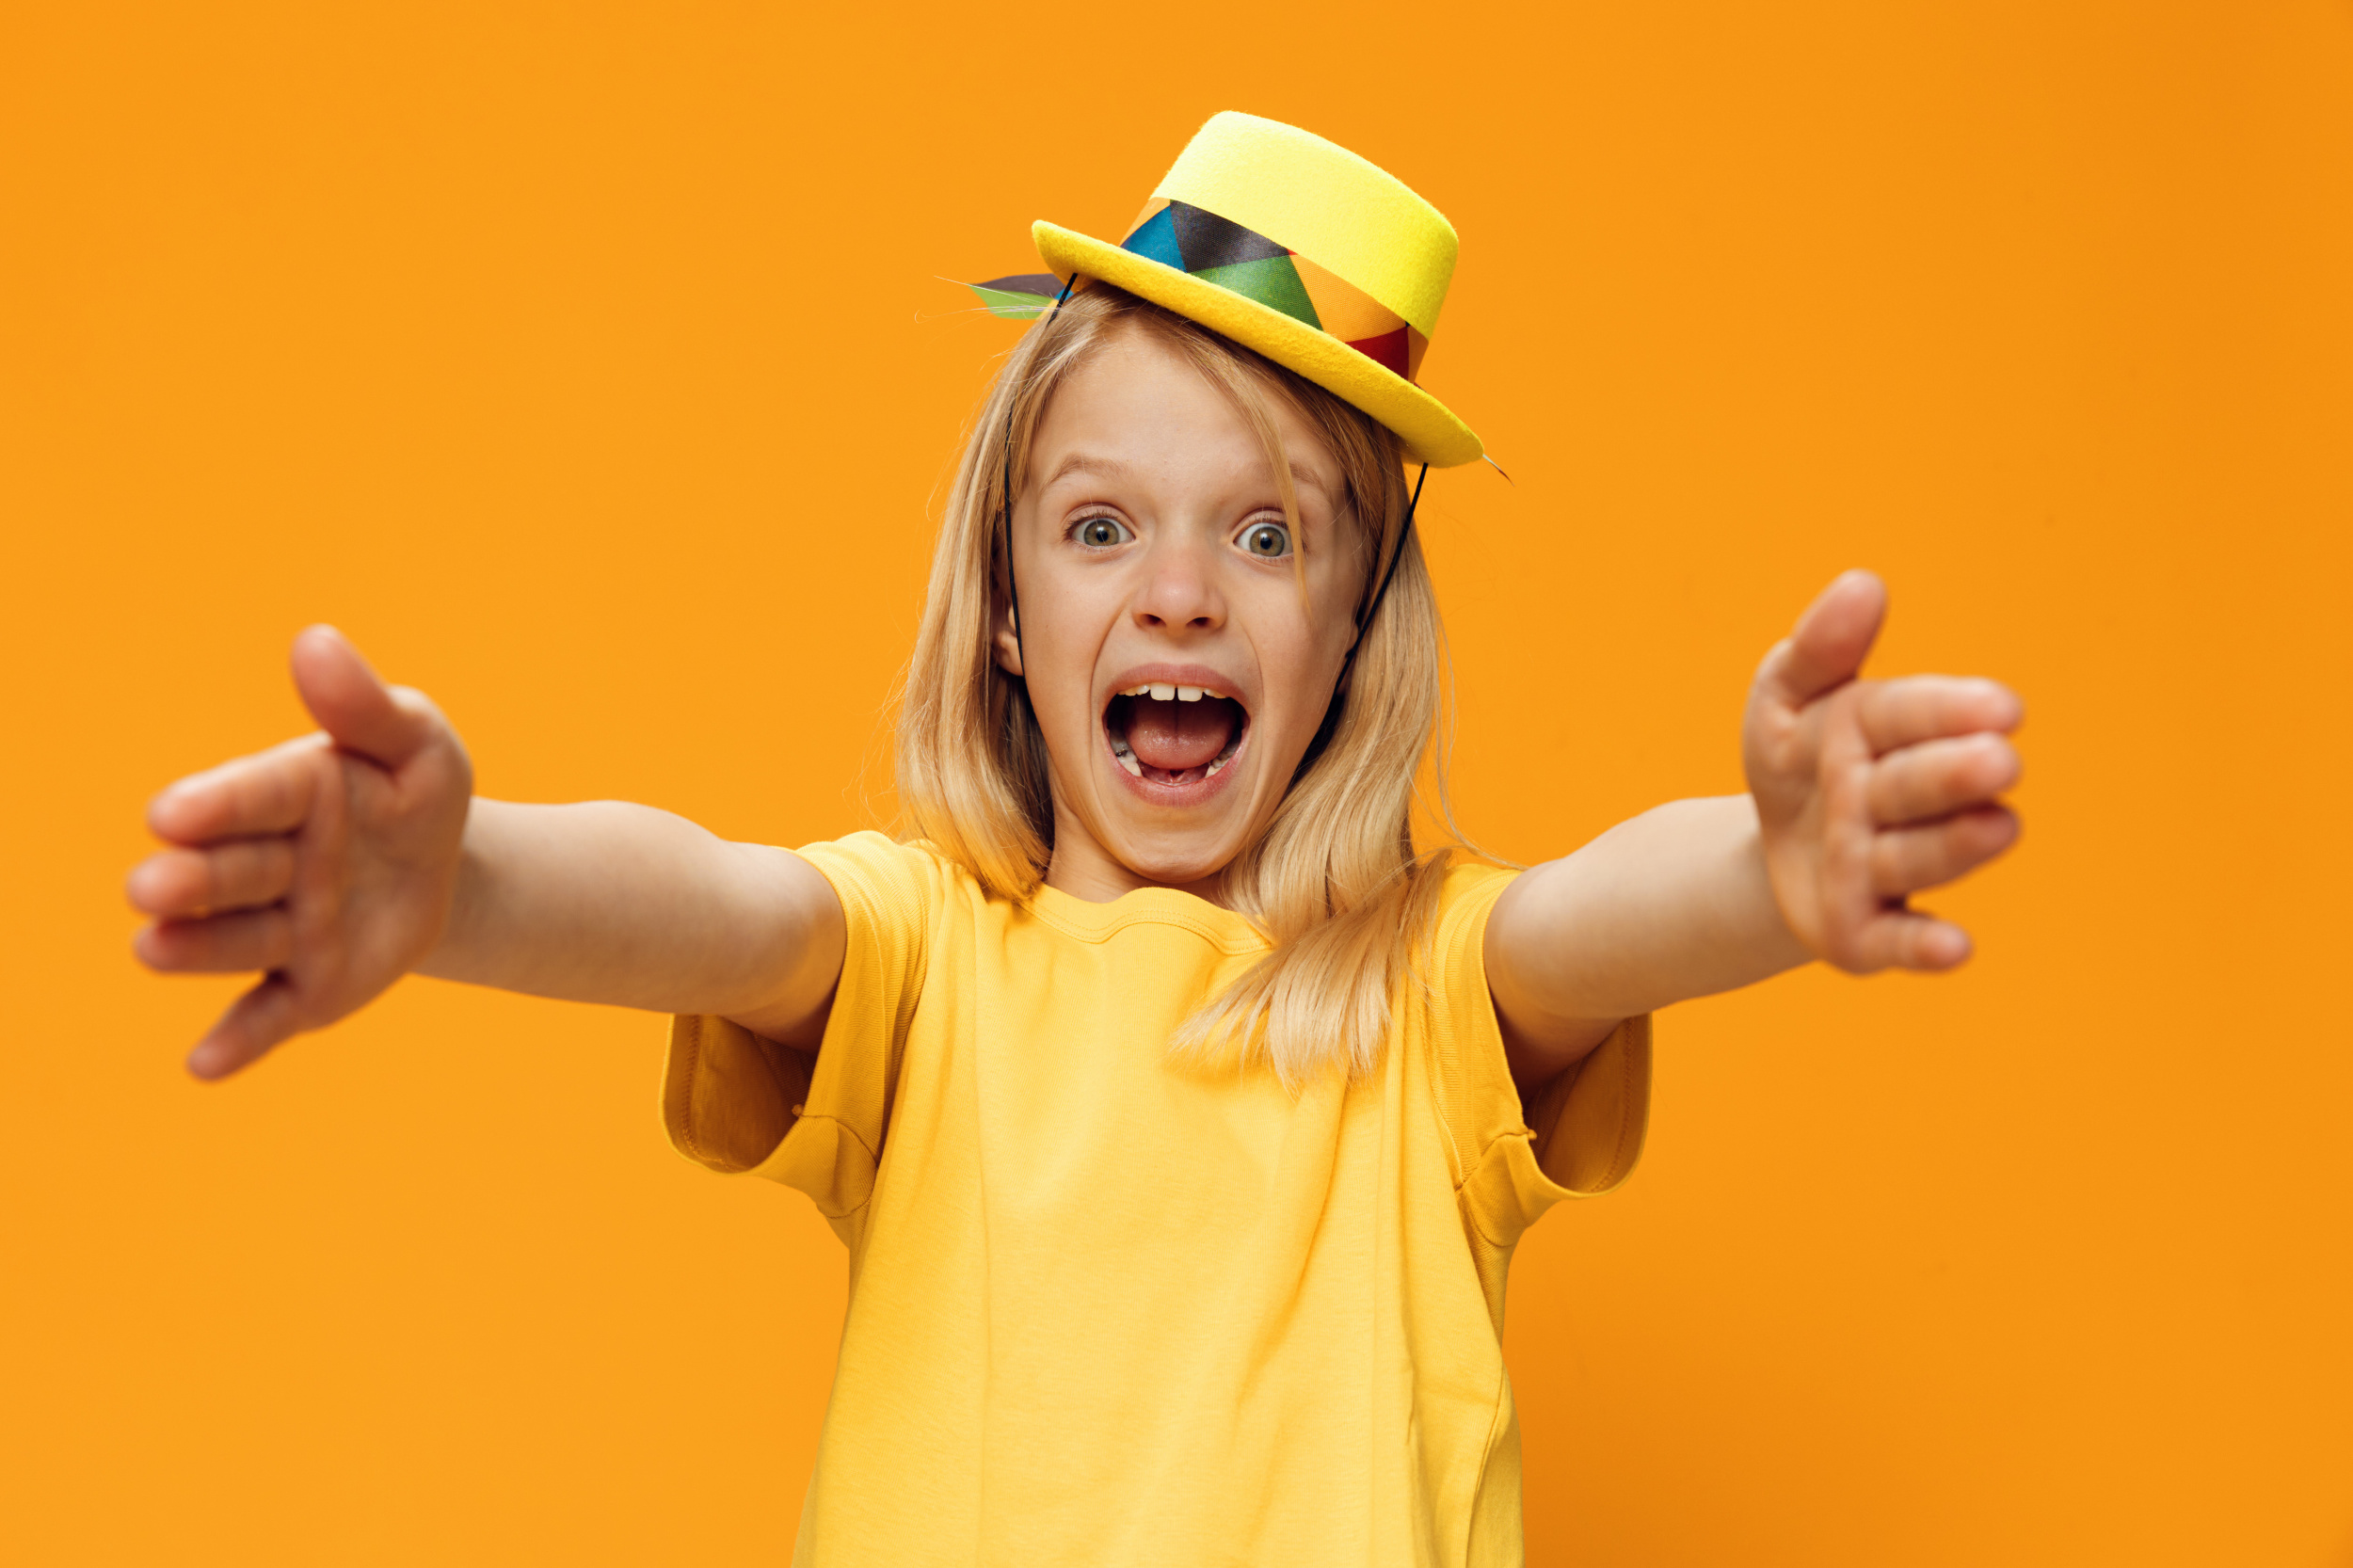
(1180, 591)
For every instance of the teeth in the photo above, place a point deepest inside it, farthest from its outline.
(1219, 764)
(1188, 694)
(1162, 694)
(1136, 691)
(1128, 760)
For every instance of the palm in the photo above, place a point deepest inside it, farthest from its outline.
(328, 862)
(374, 865)
(1868, 791)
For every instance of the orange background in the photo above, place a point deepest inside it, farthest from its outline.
(590, 365)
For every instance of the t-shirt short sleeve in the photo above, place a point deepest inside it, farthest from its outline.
(735, 1102)
(1514, 1160)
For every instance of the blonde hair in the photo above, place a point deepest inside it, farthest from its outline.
(1334, 883)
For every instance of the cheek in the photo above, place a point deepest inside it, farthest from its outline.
(1326, 620)
(1061, 634)
(1326, 623)
(1301, 655)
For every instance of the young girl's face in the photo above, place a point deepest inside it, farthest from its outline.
(1176, 672)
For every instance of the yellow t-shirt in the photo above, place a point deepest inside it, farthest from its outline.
(1105, 1309)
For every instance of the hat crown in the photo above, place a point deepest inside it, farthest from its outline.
(1320, 201)
(1302, 251)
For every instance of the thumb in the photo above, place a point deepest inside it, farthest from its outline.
(356, 709)
(1832, 637)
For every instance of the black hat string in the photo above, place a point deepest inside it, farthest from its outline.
(1363, 620)
(1372, 606)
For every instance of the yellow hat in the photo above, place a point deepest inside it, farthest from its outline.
(1302, 251)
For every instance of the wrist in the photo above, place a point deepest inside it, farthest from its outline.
(465, 904)
(1775, 938)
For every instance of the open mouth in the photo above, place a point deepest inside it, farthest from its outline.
(1167, 734)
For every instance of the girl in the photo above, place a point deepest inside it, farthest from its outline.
(1178, 1115)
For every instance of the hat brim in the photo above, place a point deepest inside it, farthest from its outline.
(1430, 432)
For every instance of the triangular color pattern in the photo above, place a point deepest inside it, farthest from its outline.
(1156, 240)
(1211, 241)
(1219, 251)
(1272, 281)
(1388, 349)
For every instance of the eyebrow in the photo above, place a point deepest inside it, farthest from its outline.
(1302, 476)
(1085, 462)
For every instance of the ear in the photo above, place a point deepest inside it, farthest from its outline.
(1006, 637)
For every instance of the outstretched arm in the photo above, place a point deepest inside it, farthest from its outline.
(1860, 793)
(340, 862)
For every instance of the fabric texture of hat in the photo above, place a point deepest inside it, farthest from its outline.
(1302, 251)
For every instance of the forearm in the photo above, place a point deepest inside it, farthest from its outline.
(1672, 904)
(624, 905)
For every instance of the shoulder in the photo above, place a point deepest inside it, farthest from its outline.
(1473, 881)
(879, 878)
(1465, 899)
(1477, 1094)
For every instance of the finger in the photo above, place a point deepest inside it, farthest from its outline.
(1919, 707)
(263, 1017)
(385, 724)
(217, 944)
(1827, 648)
(265, 793)
(1936, 778)
(1907, 859)
(242, 873)
(1908, 940)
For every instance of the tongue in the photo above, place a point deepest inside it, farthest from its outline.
(1177, 736)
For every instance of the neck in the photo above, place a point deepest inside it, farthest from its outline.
(1084, 870)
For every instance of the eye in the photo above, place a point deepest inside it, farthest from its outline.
(1269, 541)
(1101, 532)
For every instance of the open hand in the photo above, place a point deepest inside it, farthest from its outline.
(329, 862)
(1870, 790)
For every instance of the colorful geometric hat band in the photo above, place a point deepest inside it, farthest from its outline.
(1218, 251)
(1221, 251)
